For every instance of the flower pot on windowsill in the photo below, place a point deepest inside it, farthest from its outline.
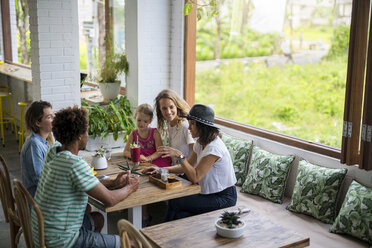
(110, 90)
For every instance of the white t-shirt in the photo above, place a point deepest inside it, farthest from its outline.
(180, 138)
(221, 175)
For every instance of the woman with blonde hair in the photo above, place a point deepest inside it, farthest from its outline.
(169, 109)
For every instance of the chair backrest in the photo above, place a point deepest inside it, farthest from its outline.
(126, 231)
(23, 199)
(7, 200)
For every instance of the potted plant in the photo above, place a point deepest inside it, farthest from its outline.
(99, 161)
(109, 125)
(229, 225)
(108, 82)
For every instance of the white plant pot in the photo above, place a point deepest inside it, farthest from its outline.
(230, 232)
(99, 163)
(110, 90)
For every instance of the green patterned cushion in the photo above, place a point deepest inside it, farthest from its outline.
(315, 191)
(267, 174)
(355, 217)
(239, 151)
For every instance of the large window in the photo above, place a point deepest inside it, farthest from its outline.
(101, 27)
(23, 33)
(278, 65)
(288, 56)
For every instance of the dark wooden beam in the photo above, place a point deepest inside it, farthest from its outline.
(355, 80)
(7, 40)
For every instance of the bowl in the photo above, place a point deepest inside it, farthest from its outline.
(231, 233)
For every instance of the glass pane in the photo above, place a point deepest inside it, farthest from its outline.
(276, 64)
(118, 30)
(23, 33)
(91, 36)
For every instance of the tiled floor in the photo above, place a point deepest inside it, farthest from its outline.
(11, 156)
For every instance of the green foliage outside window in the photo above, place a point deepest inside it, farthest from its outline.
(303, 101)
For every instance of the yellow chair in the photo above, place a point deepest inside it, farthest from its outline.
(23, 200)
(5, 116)
(21, 132)
(7, 201)
(126, 230)
(7, 110)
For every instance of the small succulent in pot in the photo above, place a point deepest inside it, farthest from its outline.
(230, 219)
(100, 152)
(229, 225)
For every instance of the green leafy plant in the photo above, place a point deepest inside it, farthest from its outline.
(230, 219)
(127, 167)
(116, 117)
(100, 152)
(114, 65)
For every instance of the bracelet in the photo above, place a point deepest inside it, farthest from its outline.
(181, 159)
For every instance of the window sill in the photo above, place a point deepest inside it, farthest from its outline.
(122, 89)
(282, 138)
(19, 72)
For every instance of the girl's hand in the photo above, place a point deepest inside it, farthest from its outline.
(143, 158)
(149, 170)
(167, 151)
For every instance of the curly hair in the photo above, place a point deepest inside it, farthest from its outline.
(206, 133)
(69, 124)
(145, 109)
(34, 114)
(182, 107)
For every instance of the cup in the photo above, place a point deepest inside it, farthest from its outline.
(135, 153)
(108, 154)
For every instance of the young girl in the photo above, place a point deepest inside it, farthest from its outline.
(169, 107)
(147, 138)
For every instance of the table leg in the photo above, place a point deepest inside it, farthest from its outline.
(135, 216)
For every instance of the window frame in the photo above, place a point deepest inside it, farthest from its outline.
(356, 53)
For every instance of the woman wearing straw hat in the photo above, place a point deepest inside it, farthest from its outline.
(209, 165)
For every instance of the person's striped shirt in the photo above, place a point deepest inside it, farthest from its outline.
(61, 195)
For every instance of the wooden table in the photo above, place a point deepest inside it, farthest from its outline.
(146, 193)
(199, 231)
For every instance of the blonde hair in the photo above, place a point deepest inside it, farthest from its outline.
(182, 107)
(145, 109)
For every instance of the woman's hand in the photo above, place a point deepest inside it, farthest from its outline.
(167, 151)
(149, 170)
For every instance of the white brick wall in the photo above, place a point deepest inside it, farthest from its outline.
(154, 45)
(177, 28)
(55, 52)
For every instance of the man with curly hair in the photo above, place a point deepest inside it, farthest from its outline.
(66, 181)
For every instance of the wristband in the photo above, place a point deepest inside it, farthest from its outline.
(181, 159)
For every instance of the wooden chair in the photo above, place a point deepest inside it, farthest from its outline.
(23, 199)
(126, 230)
(7, 201)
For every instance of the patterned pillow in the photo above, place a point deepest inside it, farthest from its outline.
(355, 217)
(315, 191)
(239, 150)
(267, 174)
